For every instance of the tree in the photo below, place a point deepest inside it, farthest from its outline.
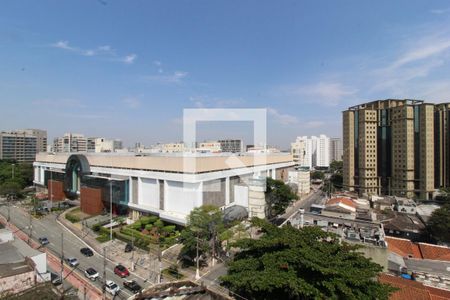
(439, 224)
(336, 166)
(288, 263)
(278, 197)
(204, 223)
(317, 175)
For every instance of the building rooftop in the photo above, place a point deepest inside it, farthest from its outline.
(409, 289)
(11, 269)
(173, 162)
(406, 248)
(403, 222)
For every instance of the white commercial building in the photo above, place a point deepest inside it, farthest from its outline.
(301, 178)
(99, 144)
(335, 149)
(169, 185)
(311, 152)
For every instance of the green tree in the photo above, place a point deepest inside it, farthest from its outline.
(287, 263)
(204, 223)
(317, 175)
(336, 166)
(278, 197)
(439, 224)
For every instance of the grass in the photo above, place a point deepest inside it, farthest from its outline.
(102, 238)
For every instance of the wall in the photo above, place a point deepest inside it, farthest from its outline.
(148, 192)
(91, 200)
(17, 283)
(56, 188)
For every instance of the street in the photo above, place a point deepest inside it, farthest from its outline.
(48, 227)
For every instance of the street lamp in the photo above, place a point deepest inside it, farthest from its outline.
(110, 210)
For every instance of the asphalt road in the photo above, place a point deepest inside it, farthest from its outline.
(48, 227)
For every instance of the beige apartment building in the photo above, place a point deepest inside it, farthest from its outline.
(22, 145)
(389, 148)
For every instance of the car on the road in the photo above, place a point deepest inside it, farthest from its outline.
(111, 287)
(121, 271)
(86, 252)
(44, 241)
(72, 261)
(91, 274)
(128, 247)
(133, 286)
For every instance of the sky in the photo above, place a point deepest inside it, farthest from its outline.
(127, 69)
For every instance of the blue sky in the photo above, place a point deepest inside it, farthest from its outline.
(127, 69)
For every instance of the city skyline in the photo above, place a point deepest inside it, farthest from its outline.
(131, 78)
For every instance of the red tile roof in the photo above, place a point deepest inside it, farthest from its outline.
(403, 247)
(406, 248)
(346, 201)
(434, 252)
(410, 289)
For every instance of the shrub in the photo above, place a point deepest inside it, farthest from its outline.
(72, 218)
(123, 237)
(104, 230)
(153, 219)
(102, 238)
(148, 227)
(137, 225)
(159, 224)
(169, 229)
(144, 220)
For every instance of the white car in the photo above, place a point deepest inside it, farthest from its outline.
(91, 274)
(72, 261)
(111, 287)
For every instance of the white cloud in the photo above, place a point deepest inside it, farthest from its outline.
(174, 78)
(283, 119)
(103, 51)
(440, 11)
(322, 93)
(132, 102)
(215, 102)
(59, 103)
(129, 59)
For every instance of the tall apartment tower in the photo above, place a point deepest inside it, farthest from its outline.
(389, 148)
(311, 152)
(22, 145)
(335, 149)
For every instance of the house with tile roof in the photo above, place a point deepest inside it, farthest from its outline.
(409, 289)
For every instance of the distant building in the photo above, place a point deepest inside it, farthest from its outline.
(22, 145)
(70, 142)
(311, 152)
(99, 144)
(73, 142)
(230, 145)
(209, 146)
(340, 208)
(335, 149)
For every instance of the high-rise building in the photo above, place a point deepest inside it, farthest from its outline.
(311, 152)
(389, 147)
(71, 142)
(22, 145)
(233, 146)
(335, 149)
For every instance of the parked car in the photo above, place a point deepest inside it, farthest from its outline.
(111, 287)
(133, 286)
(128, 247)
(55, 279)
(43, 241)
(72, 261)
(91, 274)
(86, 252)
(121, 271)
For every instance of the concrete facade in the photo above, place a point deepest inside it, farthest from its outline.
(167, 185)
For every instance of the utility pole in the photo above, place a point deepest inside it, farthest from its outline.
(110, 211)
(159, 256)
(62, 262)
(197, 271)
(31, 229)
(132, 250)
(104, 273)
